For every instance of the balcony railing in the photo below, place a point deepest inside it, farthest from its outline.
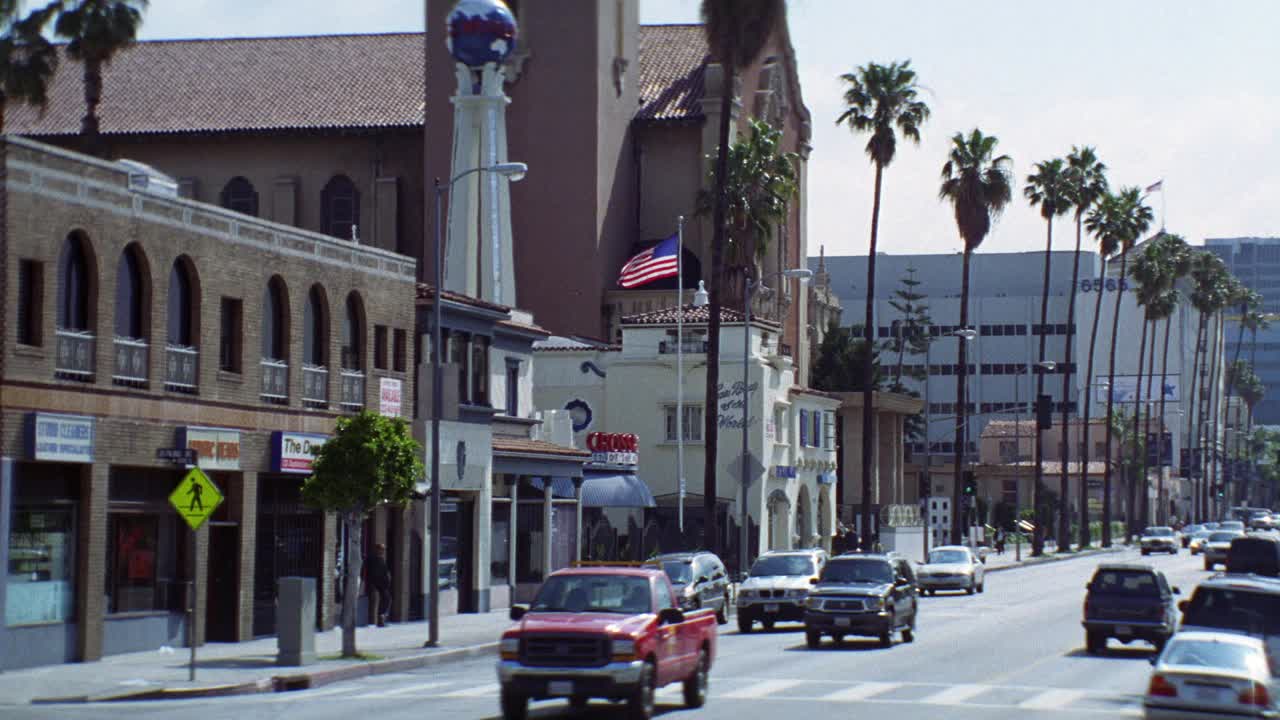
(131, 361)
(75, 354)
(275, 381)
(352, 390)
(315, 385)
(180, 368)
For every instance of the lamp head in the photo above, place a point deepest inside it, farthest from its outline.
(701, 298)
(513, 171)
(799, 273)
(1047, 365)
(966, 333)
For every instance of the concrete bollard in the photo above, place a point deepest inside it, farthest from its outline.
(296, 621)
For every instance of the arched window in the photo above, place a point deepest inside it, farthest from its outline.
(339, 207)
(73, 286)
(315, 338)
(238, 195)
(129, 296)
(353, 334)
(274, 329)
(180, 306)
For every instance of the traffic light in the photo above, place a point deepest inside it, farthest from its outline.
(970, 484)
(1044, 412)
(1220, 490)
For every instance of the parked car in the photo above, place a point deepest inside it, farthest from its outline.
(952, 567)
(1187, 531)
(1262, 520)
(1237, 525)
(868, 595)
(1257, 553)
(604, 632)
(699, 579)
(1210, 675)
(776, 587)
(1128, 601)
(1244, 604)
(1216, 547)
(1158, 539)
(1198, 538)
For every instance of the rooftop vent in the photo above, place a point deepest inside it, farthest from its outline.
(144, 178)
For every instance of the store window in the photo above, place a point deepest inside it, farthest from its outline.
(146, 544)
(42, 547)
(500, 544)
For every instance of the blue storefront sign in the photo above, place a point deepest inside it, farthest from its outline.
(784, 471)
(60, 438)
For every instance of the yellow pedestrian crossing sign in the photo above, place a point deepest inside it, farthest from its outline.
(196, 498)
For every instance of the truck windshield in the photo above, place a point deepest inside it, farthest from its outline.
(1125, 583)
(626, 594)
(948, 557)
(770, 566)
(857, 571)
(1158, 532)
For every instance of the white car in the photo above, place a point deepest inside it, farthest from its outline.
(1159, 539)
(1210, 675)
(952, 567)
(777, 586)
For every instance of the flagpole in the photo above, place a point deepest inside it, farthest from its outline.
(680, 371)
(1161, 204)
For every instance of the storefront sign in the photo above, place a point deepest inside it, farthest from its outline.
(389, 397)
(614, 448)
(294, 452)
(60, 438)
(219, 449)
(784, 471)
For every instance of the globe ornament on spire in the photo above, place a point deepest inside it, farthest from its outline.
(481, 32)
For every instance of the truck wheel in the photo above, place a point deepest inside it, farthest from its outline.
(1094, 642)
(744, 622)
(768, 624)
(579, 702)
(514, 705)
(908, 634)
(640, 704)
(1208, 565)
(695, 686)
(813, 639)
(969, 590)
(722, 615)
(886, 638)
(1145, 552)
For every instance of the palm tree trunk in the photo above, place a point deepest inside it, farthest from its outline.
(89, 127)
(1088, 398)
(1037, 489)
(1064, 509)
(961, 381)
(1134, 499)
(1193, 430)
(868, 370)
(711, 408)
(1253, 348)
(1215, 395)
(1162, 513)
(1145, 500)
(1236, 358)
(1111, 391)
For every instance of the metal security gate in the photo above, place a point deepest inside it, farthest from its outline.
(290, 543)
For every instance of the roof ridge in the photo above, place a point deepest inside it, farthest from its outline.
(250, 38)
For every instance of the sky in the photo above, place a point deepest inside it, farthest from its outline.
(1182, 91)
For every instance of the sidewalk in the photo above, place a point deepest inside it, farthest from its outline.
(249, 667)
(997, 563)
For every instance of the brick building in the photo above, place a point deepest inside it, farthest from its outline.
(136, 320)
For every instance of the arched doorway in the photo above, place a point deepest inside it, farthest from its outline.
(804, 520)
(779, 521)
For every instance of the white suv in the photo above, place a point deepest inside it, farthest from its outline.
(777, 586)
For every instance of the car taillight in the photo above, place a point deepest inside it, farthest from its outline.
(1256, 695)
(1160, 687)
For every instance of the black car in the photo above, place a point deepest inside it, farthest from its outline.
(1246, 604)
(1128, 601)
(1258, 554)
(699, 579)
(869, 595)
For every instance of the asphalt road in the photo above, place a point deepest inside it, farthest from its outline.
(1015, 651)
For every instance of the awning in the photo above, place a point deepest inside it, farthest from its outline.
(615, 490)
(561, 487)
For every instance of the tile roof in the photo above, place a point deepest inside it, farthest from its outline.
(425, 293)
(525, 327)
(259, 84)
(673, 65)
(503, 443)
(1053, 467)
(800, 390)
(692, 314)
(560, 343)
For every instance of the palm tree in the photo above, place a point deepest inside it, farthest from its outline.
(27, 59)
(737, 31)
(1102, 223)
(1233, 290)
(881, 100)
(1128, 219)
(1208, 293)
(762, 182)
(95, 31)
(1153, 273)
(1087, 178)
(979, 185)
(1177, 265)
(1049, 188)
(1248, 301)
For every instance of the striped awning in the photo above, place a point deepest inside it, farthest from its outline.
(561, 487)
(615, 490)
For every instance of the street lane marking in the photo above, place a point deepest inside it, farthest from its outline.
(955, 695)
(762, 689)
(478, 691)
(399, 691)
(296, 695)
(861, 691)
(1052, 699)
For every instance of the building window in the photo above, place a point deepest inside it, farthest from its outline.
(380, 347)
(30, 302)
(829, 430)
(500, 544)
(1009, 492)
(145, 544)
(74, 286)
(459, 349)
(315, 326)
(399, 346)
(230, 335)
(692, 423)
(513, 387)
(815, 438)
(238, 195)
(129, 296)
(780, 424)
(804, 428)
(340, 208)
(479, 371)
(274, 314)
(42, 546)
(353, 334)
(181, 307)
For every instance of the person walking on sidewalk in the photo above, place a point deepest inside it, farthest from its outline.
(378, 575)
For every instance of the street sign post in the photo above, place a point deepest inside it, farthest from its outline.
(195, 499)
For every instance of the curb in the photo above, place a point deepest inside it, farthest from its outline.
(1056, 557)
(286, 683)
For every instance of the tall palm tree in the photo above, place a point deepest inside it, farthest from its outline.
(95, 31)
(1233, 291)
(1087, 177)
(1129, 219)
(27, 58)
(1248, 301)
(978, 184)
(1103, 224)
(1208, 292)
(1177, 265)
(1152, 273)
(737, 31)
(881, 100)
(1048, 187)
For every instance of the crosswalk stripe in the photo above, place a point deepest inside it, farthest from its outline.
(297, 695)
(762, 689)
(405, 690)
(1051, 699)
(478, 691)
(955, 694)
(861, 691)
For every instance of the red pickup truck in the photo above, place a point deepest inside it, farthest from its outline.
(605, 632)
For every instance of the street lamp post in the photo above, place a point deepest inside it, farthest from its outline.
(748, 291)
(513, 171)
(957, 528)
(1037, 541)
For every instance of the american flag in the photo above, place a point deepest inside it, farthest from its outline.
(660, 261)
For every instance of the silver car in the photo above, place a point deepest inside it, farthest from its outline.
(951, 567)
(1210, 675)
(777, 586)
(1159, 539)
(1215, 548)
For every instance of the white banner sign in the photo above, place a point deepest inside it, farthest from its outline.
(218, 449)
(294, 452)
(389, 397)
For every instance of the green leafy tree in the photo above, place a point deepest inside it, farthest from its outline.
(840, 363)
(27, 58)
(95, 30)
(882, 100)
(371, 460)
(737, 30)
(978, 184)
